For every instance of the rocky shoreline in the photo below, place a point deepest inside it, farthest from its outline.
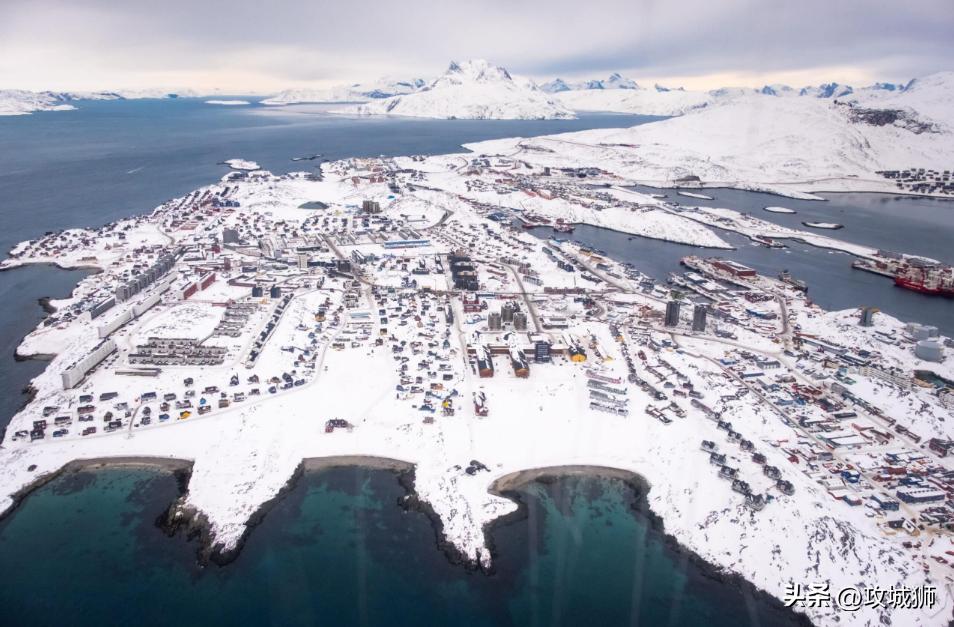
(508, 486)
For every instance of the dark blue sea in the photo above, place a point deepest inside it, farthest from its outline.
(918, 226)
(339, 549)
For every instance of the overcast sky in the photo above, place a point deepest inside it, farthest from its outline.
(244, 45)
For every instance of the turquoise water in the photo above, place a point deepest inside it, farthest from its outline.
(339, 550)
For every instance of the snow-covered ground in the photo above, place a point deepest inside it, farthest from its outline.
(471, 90)
(359, 92)
(241, 164)
(640, 101)
(19, 102)
(389, 374)
(789, 146)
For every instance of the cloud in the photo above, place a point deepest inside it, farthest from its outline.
(247, 44)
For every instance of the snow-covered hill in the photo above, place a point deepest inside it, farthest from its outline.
(21, 102)
(357, 92)
(787, 145)
(638, 100)
(471, 90)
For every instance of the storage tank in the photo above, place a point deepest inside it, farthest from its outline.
(929, 350)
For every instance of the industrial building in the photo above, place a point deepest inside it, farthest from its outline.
(734, 268)
(920, 495)
(929, 350)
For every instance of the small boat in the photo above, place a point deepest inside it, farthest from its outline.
(831, 226)
(768, 242)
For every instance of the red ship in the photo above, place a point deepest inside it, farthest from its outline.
(926, 279)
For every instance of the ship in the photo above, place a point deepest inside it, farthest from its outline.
(786, 277)
(768, 242)
(936, 280)
(831, 226)
(531, 221)
(563, 228)
(917, 274)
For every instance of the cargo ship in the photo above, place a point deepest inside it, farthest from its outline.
(917, 274)
(935, 280)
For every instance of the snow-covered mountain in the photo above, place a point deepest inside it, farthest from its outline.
(357, 92)
(930, 97)
(670, 102)
(615, 81)
(471, 90)
(555, 86)
(777, 89)
(827, 90)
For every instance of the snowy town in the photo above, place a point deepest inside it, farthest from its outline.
(404, 308)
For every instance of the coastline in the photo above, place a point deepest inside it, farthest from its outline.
(12, 263)
(172, 465)
(508, 486)
(182, 517)
(794, 195)
(658, 239)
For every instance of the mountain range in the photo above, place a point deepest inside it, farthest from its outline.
(471, 90)
(477, 89)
